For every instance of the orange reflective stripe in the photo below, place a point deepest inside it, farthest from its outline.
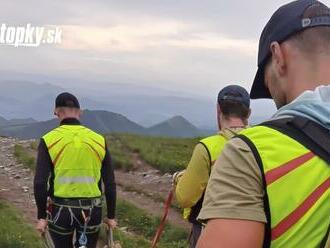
(278, 172)
(93, 149)
(299, 212)
(98, 144)
(59, 154)
(52, 145)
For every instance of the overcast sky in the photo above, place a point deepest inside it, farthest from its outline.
(194, 46)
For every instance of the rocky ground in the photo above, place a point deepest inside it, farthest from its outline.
(16, 181)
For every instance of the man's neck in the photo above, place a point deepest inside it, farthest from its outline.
(232, 123)
(309, 78)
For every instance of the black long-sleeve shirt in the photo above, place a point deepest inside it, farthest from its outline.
(44, 176)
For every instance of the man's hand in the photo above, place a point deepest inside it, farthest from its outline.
(176, 176)
(111, 223)
(41, 226)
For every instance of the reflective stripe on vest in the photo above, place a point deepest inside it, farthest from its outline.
(77, 154)
(70, 180)
(298, 189)
(214, 145)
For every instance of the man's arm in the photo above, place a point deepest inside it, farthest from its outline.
(108, 179)
(191, 185)
(42, 173)
(233, 204)
(223, 233)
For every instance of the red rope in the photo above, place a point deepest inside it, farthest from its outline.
(163, 221)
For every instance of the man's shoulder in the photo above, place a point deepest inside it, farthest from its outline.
(93, 133)
(212, 138)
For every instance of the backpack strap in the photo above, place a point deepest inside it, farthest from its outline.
(307, 132)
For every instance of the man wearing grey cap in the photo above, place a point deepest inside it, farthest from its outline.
(271, 184)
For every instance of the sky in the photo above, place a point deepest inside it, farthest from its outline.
(179, 45)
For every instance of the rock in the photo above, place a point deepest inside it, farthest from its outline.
(124, 228)
(25, 189)
(17, 176)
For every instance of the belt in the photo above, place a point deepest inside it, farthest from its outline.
(93, 202)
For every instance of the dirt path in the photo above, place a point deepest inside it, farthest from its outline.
(16, 184)
(147, 188)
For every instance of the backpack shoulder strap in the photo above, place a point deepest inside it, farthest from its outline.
(307, 132)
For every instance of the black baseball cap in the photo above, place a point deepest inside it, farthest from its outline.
(66, 99)
(285, 22)
(234, 93)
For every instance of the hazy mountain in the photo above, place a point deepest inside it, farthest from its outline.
(175, 127)
(15, 122)
(100, 121)
(107, 122)
(3, 121)
(146, 106)
(27, 99)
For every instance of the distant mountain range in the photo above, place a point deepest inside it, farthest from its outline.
(103, 122)
(146, 106)
(15, 122)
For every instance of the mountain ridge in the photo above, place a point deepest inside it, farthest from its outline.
(106, 122)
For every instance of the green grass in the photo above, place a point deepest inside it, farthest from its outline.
(142, 223)
(127, 240)
(14, 232)
(24, 157)
(141, 228)
(34, 145)
(166, 154)
(120, 158)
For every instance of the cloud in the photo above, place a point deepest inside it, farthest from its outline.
(154, 34)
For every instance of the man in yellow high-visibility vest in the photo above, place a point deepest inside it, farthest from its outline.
(233, 111)
(72, 163)
(271, 184)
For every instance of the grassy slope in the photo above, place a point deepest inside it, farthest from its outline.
(23, 156)
(14, 232)
(121, 159)
(166, 154)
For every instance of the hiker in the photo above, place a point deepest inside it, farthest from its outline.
(271, 185)
(72, 162)
(233, 111)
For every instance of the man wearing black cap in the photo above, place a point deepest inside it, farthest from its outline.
(233, 111)
(72, 162)
(272, 185)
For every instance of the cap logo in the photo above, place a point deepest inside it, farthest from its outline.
(306, 22)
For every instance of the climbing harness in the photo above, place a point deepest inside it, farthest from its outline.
(83, 238)
(163, 221)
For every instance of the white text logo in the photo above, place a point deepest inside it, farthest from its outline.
(29, 36)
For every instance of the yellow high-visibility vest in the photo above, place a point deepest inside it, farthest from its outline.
(214, 145)
(297, 188)
(77, 154)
